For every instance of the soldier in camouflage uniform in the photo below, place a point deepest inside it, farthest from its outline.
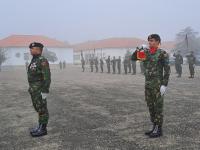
(119, 61)
(101, 65)
(96, 63)
(133, 67)
(125, 64)
(178, 63)
(113, 64)
(157, 72)
(83, 64)
(91, 64)
(108, 64)
(191, 61)
(129, 64)
(39, 78)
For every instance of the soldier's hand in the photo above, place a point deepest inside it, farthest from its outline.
(44, 95)
(194, 65)
(162, 90)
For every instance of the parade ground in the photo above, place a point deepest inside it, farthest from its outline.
(98, 111)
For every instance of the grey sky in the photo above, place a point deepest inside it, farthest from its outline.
(82, 20)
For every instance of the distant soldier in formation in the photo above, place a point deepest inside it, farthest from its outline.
(91, 64)
(26, 64)
(83, 64)
(101, 65)
(129, 64)
(142, 67)
(96, 63)
(108, 64)
(119, 61)
(191, 61)
(126, 64)
(60, 64)
(64, 64)
(178, 63)
(133, 67)
(113, 64)
(39, 78)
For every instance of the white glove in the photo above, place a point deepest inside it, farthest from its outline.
(44, 95)
(162, 90)
(194, 65)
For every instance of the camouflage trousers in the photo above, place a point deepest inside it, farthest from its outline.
(40, 105)
(155, 104)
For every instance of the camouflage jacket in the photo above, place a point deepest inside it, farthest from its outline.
(157, 68)
(178, 59)
(191, 59)
(39, 75)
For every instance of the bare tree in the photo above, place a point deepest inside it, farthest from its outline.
(2, 57)
(187, 41)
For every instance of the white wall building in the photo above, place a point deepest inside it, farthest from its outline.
(17, 49)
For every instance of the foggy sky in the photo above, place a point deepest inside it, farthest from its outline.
(82, 20)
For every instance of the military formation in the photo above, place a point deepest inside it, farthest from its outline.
(154, 64)
(113, 65)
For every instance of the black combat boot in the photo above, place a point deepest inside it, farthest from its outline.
(149, 132)
(32, 130)
(157, 132)
(42, 130)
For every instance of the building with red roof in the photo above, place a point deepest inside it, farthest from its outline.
(17, 48)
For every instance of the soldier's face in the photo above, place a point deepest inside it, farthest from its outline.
(153, 43)
(35, 51)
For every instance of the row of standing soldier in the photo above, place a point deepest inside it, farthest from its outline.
(130, 65)
(179, 61)
(112, 63)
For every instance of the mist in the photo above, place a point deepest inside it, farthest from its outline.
(78, 21)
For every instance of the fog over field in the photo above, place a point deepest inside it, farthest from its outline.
(78, 20)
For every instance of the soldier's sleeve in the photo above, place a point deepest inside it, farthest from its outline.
(166, 68)
(46, 76)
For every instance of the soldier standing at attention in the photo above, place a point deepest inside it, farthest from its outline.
(191, 61)
(129, 64)
(64, 64)
(108, 64)
(142, 67)
(83, 64)
(101, 65)
(157, 72)
(114, 64)
(119, 61)
(91, 64)
(97, 64)
(60, 64)
(133, 67)
(39, 78)
(125, 64)
(178, 63)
